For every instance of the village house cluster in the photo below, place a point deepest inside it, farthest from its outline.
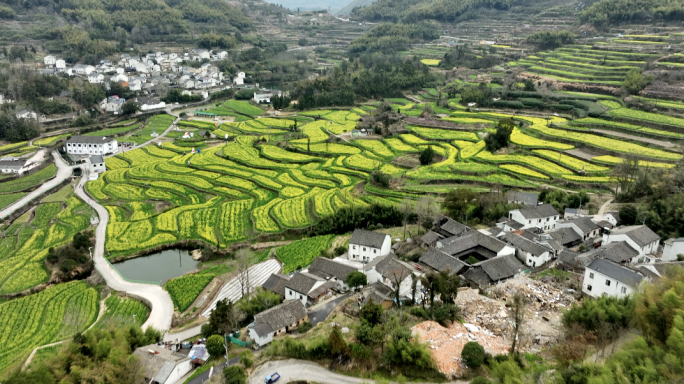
(613, 260)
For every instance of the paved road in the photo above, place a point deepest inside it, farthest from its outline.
(604, 207)
(154, 139)
(162, 307)
(184, 335)
(293, 370)
(63, 172)
(321, 313)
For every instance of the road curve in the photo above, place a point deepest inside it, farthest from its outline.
(161, 311)
(294, 370)
(63, 172)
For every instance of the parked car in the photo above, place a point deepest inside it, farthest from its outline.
(272, 378)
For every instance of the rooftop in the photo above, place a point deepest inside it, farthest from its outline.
(538, 211)
(96, 159)
(281, 315)
(527, 198)
(332, 268)
(585, 224)
(617, 272)
(301, 283)
(524, 244)
(368, 238)
(454, 245)
(640, 234)
(89, 139)
(276, 283)
(440, 261)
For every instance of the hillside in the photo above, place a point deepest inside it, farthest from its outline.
(354, 4)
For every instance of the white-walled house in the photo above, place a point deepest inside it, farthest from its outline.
(91, 145)
(612, 217)
(603, 277)
(16, 166)
(97, 164)
(639, 237)
(96, 78)
(49, 60)
(542, 216)
(277, 321)
(60, 64)
(83, 69)
(584, 227)
(331, 270)
(672, 248)
(364, 246)
(239, 78)
(306, 287)
(264, 96)
(164, 366)
(26, 114)
(398, 275)
(530, 253)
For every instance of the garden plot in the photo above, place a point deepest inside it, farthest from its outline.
(232, 290)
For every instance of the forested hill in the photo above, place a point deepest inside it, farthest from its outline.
(93, 27)
(601, 13)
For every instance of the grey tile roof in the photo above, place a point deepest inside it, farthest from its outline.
(570, 258)
(276, 283)
(513, 224)
(282, 315)
(471, 240)
(96, 159)
(604, 224)
(381, 288)
(340, 271)
(165, 372)
(615, 214)
(618, 251)
(641, 234)
(583, 223)
(502, 267)
(617, 272)
(478, 276)
(321, 289)
(368, 238)
(374, 262)
(440, 261)
(377, 297)
(12, 164)
(565, 235)
(451, 226)
(529, 235)
(528, 198)
(391, 268)
(89, 139)
(431, 237)
(262, 329)
(525, 245)
(301, 283)
(538, 212)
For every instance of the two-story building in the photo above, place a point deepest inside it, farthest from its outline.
(91, 145)
(672, 248)
(307, 288)
(542, 217)
(639, 237)
(603, 277)
(529, 252)
(364, 246)
(97, 164)
(332, 271)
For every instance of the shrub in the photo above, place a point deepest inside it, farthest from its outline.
(305, 327)
(246, 359)
(215, 346)
(234, 374)
(339, 251)
(480, 380)
(473, 355)
(418, 312)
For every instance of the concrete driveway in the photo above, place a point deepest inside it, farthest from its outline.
(322, 312)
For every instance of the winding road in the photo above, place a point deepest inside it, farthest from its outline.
(299, 370)
(63, 172)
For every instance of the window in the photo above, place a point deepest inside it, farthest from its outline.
(301, 297)
(591, 275)
(589, 288)
(354, 247)
(529, 221)
(607, 282)
(623, 290)
(364, 249)
(375, 251)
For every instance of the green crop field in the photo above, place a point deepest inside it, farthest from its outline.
(122, 311)
(185, 289)
(301, 253)
(52, 315)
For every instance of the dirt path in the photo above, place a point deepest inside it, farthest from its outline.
(665, 144)
(604, 207)
(103, 308)
(580, 153)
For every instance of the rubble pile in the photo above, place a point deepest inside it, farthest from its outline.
(446, 344)
(482, 311)
(540, 295)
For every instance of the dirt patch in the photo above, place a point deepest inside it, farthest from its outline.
(446, 344)
(271, 244)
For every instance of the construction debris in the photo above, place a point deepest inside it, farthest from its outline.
(446, 344)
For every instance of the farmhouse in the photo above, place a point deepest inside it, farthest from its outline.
(529, 252)
(16, 166)
(603, 277)
(440, 261)
(583, 226)
(26, 114)
(332, 271)
(397, 275)
(639, 237)
(91, 145)
(276, 283)
(613, 217)
(97, 164)
(161, 365)
(673, 248)
(307, 288)
(492, 271)
(276, 321)
(543, 217)
(364, 246)
(474, 244)
(265, 96)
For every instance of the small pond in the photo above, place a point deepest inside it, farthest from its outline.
(156, 267)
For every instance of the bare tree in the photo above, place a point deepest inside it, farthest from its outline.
(397, 274)
(625, 173)
(406, 211)
(427, 209)
(519, 303)
(244, 260)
